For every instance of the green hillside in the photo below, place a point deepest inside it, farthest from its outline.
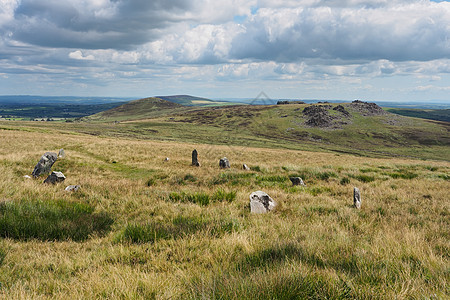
(138, 109)
(431, 114)
(192, 100)
(357, 128)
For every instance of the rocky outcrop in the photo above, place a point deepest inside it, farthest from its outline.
(342, 110)
(224, 163)
(72, 188)
(261, 202)
(55, 177)
(367, 109)
(195, 161)
(318, 116)
(45, 164)
(356, 198)
(297, 181)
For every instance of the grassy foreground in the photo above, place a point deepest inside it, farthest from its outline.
(142, 228)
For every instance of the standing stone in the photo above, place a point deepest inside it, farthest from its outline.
(166, 159)
(261, 203)
(195, 161)
(72, 188)
(55, 177)
(61, 153)
(356, 198)
(224, 163)
(45, 163)
(245, 167)
(297, 181)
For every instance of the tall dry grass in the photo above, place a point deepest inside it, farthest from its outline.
(315, 245)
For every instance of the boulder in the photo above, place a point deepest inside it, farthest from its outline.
(224, 163)
(195, 161)
(27, 176)
(245, 167)
(261, 203)
(55, 177)
(356, 198)
(297, 181)
(166, 159)
(61, 153)
(45, 164)
(72, 188)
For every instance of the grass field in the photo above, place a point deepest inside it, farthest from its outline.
(142, 228)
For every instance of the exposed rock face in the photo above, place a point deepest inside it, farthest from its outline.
(366, 108)
(245, 167)
(45, 163)
(318, 116)
(195, 161)
(72, 188)
(55, 177)
(356, 198)
(341, 109)
(61, 153)
(261, 203)
(297, 181)
(224, 163)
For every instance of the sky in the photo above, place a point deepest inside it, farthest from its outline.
(305, 49)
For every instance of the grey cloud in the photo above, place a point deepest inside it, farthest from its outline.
(408, 33)
(63, 24)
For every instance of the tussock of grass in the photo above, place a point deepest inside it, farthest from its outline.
(364, 177)
(344, 181)
(197, 198)
(2, 255)
(51, 220)
(203, 199)
(179, 227)
(314, 174)
(403, 175)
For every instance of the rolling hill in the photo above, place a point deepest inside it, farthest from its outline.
(358, 128)
(188, 100)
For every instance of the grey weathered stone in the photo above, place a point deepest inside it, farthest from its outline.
(72, 188)
(27, 176)
(356, 198)
(45, 164)
(61, 153)
(224, 163)
(166, 159)
(55, 177)
(297, 181)
(245, 167)
(261, 203)
(195, 161)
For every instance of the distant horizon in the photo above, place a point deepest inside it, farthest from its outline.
(230, 98)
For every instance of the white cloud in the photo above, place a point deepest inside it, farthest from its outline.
(79, 55)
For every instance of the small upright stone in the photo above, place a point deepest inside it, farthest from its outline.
(195, 161)
(72, 188)
(297, 181)
(261, 203)
(224, 163)
(356, 198)
(45, 164)
(245, 167)
(55, 177)
(61, 153)
(166, 159)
